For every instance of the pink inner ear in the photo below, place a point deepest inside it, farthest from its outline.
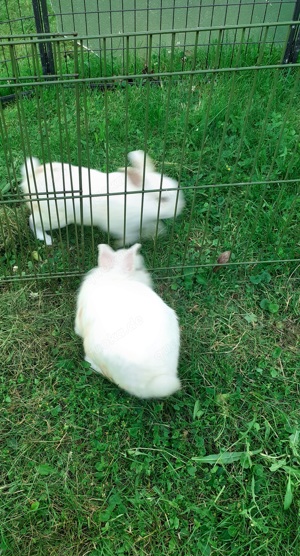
(128, 262)
(129, 257)
(134, 176)
(106, 257)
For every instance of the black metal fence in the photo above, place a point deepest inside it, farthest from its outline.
(217, 107)
(96, 18)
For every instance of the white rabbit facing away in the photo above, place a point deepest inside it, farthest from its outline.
(129, 333)
(50, 189)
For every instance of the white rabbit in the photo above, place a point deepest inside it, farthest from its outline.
(129, 334)
(53, 192)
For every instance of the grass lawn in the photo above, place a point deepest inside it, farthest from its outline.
(86, 470)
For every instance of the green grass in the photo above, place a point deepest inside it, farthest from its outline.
(87, 470)
(227, 129)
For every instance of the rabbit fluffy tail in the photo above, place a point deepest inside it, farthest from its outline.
(31, 164)
(163, 385)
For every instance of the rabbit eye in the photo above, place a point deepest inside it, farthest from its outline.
(163, 198)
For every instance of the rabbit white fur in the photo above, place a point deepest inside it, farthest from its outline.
(129, 334)
(60, 182)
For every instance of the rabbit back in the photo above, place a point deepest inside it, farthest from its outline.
(54, 191)
(137, 199)
(131, 336)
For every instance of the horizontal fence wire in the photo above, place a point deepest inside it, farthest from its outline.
(92, 19)
(46, 37)
(137, 63)
(97, 17)
(222, 120)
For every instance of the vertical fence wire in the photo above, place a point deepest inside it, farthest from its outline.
(127, 54)
(38, 93)
(281, 131)
(111, 32)
(183, 152)
(4, 220)
(240, 219)
(276, 202)
(228, 108)
(242, 135)
(45, 134)
(67, 168)
(66, 251)
(26, 144)
(79, 201)
(167, 115)
(135, 29)
(99, 28)
(203, 140)
(228, 113)
(88, 159)
(275, 28)
(24, 31)
(214, 60)
(60, 15)
(6, 238)
(149, 55)
(66, 259)
(106, 140)
(160, 27)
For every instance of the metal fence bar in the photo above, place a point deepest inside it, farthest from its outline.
(171, 271)
(240, 144)
(187, 237)
(68, 162)
(87, 150)
(40, 11)
(148, 62)
(45, 133)
(126, 137)
(206, 124)
(93, 80)
(25, 142)
(6, 233)
(293, 45)
(180, 170)
(192, 188)
(106, 142)
(81, 252)
(259, 208)
(169, 31)
(167, 116)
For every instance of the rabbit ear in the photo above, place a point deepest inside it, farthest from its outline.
(135, 248)
(136, 172)
(128, 262)
(135, 176)
(137, 160)
(106, 257)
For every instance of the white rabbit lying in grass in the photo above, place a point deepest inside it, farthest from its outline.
(129, 334)
(60, 182)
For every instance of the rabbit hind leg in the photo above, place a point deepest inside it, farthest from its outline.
(38, 230)
(103, 370)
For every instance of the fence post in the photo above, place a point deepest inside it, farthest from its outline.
(293, 45)
(40, 11)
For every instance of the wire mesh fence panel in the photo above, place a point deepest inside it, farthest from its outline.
(116, 16)
(221, 121)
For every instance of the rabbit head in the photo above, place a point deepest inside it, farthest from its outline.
(163, 198)
(127, 263)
